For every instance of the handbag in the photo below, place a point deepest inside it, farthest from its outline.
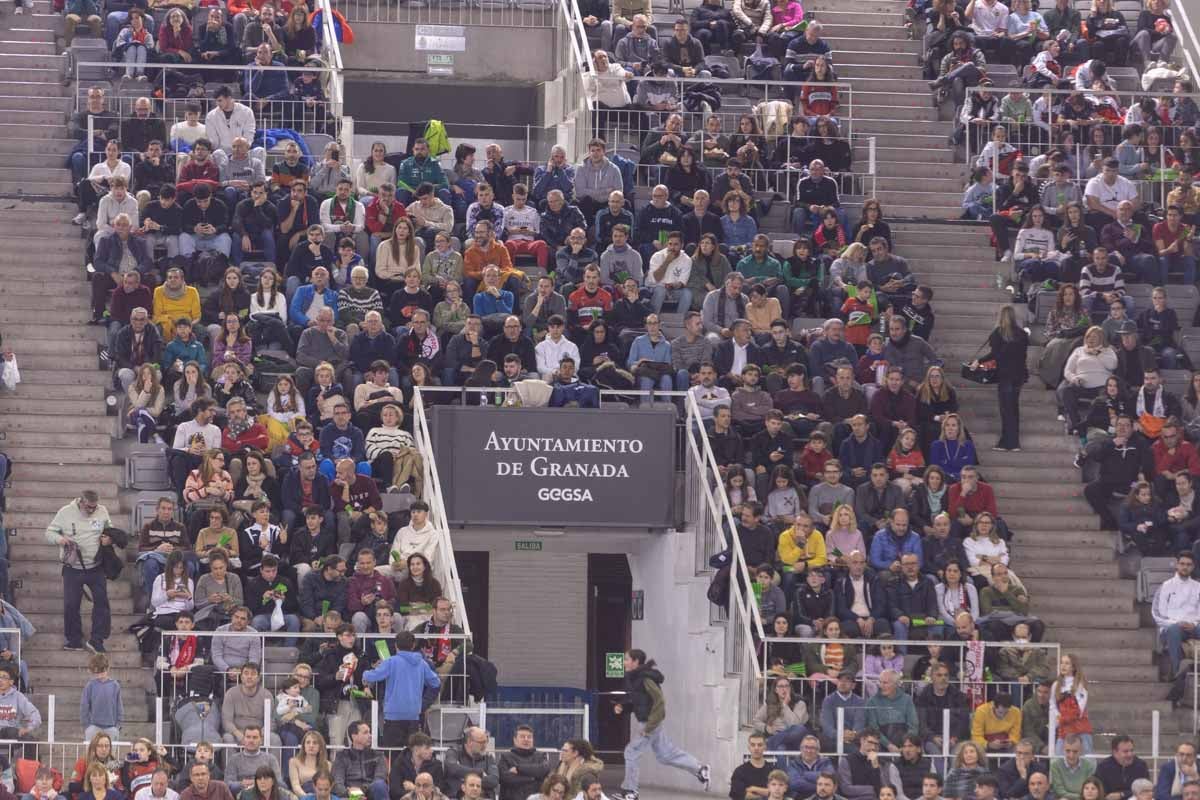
(984, 373)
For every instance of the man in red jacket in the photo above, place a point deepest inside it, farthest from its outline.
(242, 432)
(967, 499)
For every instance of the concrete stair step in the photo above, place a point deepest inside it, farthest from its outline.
(890, 151)
(18, 405)
(905, 170)
(1103, 604)
(43, 439)
(1113, 656)
(903, 197)
(51, 476)
(92, 423)
(955, 294)
(39, 103)
(36, 188)
(71, 485)
(925, 212)
(122, 651)
(30, 33)
(849, 15)
(848, 68)
(872, 109)
(1031, 568)
(1061, 588)
(19, 47)
(74, 347)
(1068, 538)
(840, 31)
(48, 87)
(49, 604)
(882, 6)
(49, 303)
(1099, 635)
(1113, 621)
(11, 173)
(50, 505)
(35, 62)
(49, 145)
(52, 623)
(91, 377)
(1030, 474)
(53, 455)
(1032, 552)
(67, 697)
(862, 51)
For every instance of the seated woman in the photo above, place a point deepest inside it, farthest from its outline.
(98, 784)
(230, 298)
(880, 657)
(953, 449)
(685, 177)
(284, 407)
(984, 547)
(1065, 325)
(392, 452)
(1035, 256)
(324, 395)
(232, 383)
(928, 500)
(1142, 521)
(134, 45)
(373, 394)
(218, 536)
(418, 589)
(782, 717)
(823, 662)
(208, 487)
(147, 399)
(829, 238)
(232, 345)
(396, 256)
(266, 787)
(220, 591)
(956, 595)
(99, 751)
(269, 314)
(255, 481)
(301, 37)
(172, 594)
(738, 227)
(935, 399)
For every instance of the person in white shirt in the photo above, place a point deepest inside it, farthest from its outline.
(1105, 192)
(200, 425)
(99, 180)
(118, 201)
(418, 536)
(989, 23)
(159, 788)
(1176, 610)
(191, 128)
(344, 217)
(226, 122)
(668, 275)
(707, 394)
(550, 351)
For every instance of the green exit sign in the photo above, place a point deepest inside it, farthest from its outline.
(614, 665)
(530, 545)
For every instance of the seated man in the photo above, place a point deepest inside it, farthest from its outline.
(117, 252)
(152, 172)
(1123, 459)
(117, 201)
(859, 452)
(296, 211)
(465, 350)
(321, 343)
(1176, 609)
(264, 589)
(1102, 283)
(363, 769)
(733, 355)
(667, 275)
(522, 224)
(239, 172)
(1132, 246)
(969, 498)
(814, 193)
(253, 226)
(891, 277)
(860, 601)
(420, 168)
(162, 221)
(650, 358)
(876, 502)
(913, 599)
(205, 224)
(1154, 405)
(996, 725)
(551, 349)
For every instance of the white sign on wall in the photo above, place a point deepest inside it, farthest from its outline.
(441, 37)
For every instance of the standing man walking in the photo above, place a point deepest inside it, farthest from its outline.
(78, 530)
(643, 688)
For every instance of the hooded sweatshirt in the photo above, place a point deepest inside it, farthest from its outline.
(408, 675)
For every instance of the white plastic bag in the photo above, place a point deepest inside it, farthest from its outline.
(277, 622)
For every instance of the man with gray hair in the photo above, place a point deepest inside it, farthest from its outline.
(723, 306)
(136, 344)
(891, 712)
(814, 193)
(832, 348)
(80, 530)
(320, 343)
(556, 174)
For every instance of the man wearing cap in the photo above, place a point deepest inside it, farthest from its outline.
(1133, 358)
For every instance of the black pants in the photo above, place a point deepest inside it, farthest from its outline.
(73, 582)
(1098, 494)
(102, 286)
(395, 733)
(1001, 225)
(1009, 395)
(714, 39)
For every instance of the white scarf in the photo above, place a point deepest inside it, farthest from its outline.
(1159, 411)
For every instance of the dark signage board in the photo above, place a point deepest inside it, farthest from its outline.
(556, 467)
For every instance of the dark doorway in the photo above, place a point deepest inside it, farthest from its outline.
(473, 572)
(610, 591)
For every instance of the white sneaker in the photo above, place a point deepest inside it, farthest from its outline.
(79, 218)
(20, 10)
(1061, 418)
(1007, 255)
(705, 776)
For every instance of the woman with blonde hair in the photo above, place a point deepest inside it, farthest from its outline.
(846, 271)
(311, 757)
(1084, 376)
(968, 765)
(284, 407)
(1070, 695)
(843, 536)
(1008, 347)
(935, 399)
(984, 547)
(98, 785)
(953, 449)
(99, 751)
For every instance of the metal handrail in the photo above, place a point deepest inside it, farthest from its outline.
(452, 582)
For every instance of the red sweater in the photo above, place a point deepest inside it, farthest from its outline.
(372, 222)
(255, 436)
(813, 463)
(982, 499)
(1184, 458)
(194, 173)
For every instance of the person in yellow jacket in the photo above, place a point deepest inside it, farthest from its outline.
(175, 299)
(800, 549)
(996, 726)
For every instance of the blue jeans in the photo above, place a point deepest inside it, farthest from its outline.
(1185, 264)
(1173, 637)
(666, 751)
(1169, 358)
(264, 242)
(664, 384)
(189, 243)
(135, 55)
(787, 739)
(802, 219)
(115, 21)
(683, 380)
(681, 297)
(1149, 269)
(900, 631)
(976, 211)
(291, 624)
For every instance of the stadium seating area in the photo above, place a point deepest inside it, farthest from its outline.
(933, 575)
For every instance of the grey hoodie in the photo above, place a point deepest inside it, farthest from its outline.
(597, 182)
(17, 712)
(242, 765)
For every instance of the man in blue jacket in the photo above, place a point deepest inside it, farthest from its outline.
(890, 544)
(408, 677)
(803, 771)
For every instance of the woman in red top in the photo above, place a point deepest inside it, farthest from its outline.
(819, 101)
(175, 38)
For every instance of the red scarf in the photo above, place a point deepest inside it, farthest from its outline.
(183, 652)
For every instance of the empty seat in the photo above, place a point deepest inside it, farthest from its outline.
(1154, 572)
(146, 468)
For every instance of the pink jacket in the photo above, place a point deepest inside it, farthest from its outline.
(793, 15)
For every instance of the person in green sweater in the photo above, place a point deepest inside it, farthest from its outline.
(643, 693)
(1068, 774)
(420, 168)
(891, 712)
(760, 267)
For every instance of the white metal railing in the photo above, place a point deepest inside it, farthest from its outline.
(331, 54)
(573, 115)
(1040, 134)
(432, 484)
(1187, 36)
(708, 510)
(488, 13)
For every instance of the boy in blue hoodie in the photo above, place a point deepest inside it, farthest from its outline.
(408, 677)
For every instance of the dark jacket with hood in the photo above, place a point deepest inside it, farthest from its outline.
(643, 687)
